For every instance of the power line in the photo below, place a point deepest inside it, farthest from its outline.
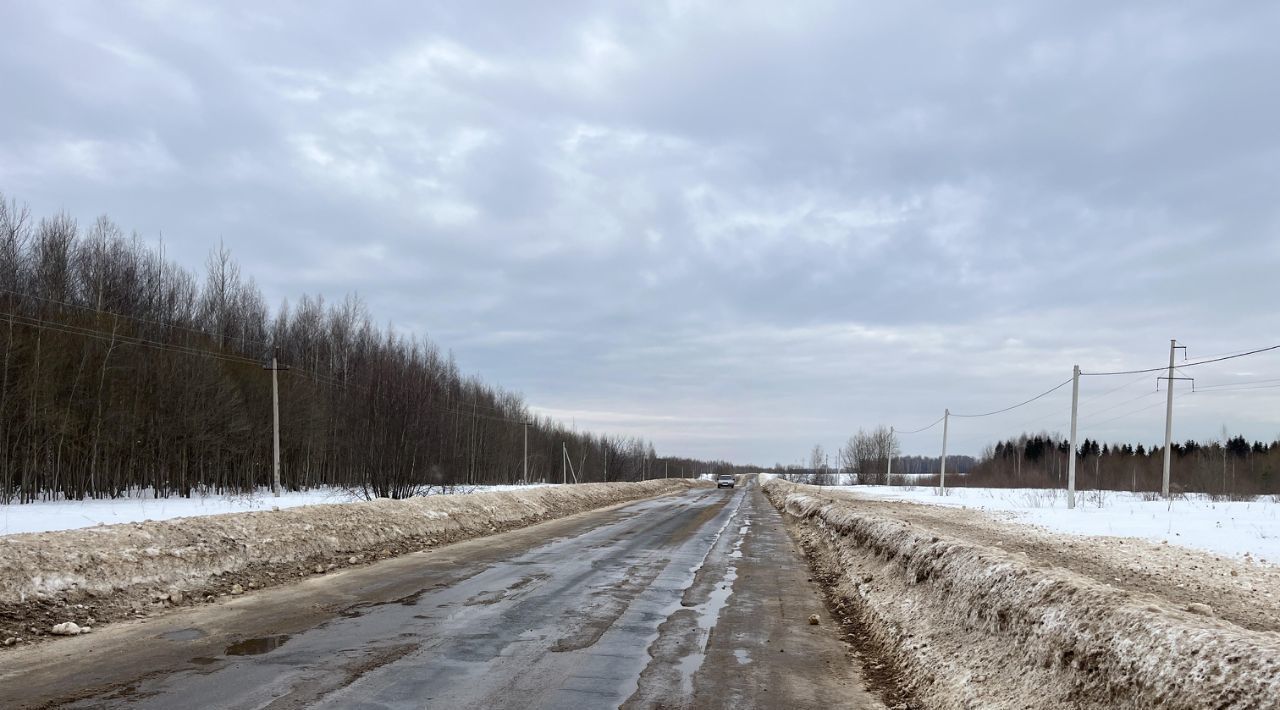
(68, 329)
(175, 326)
(1113, 390)
(1229, 352)
(1224, 388)
(106, 336)
(1164, 368)
(1137, 411)
(1096, 412)
(917, 431)
(136, 319)
(1234, 384)
(1092, 397)
(1051, 390)
(387, 391)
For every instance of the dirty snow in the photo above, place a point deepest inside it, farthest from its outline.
(970, 612)
(147, 558)
(142, 505)
(1235, 528)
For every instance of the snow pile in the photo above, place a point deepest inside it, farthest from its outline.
(185, 554)
(1233, 528)
(974, 626)
(142, 505)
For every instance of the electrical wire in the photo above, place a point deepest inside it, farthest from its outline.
(1099, 395)
(120, 338)
(1136, 411)
(117, 338)
(1236, 389)
(1177, 368)
(917, 431)
(1214, 355)
(1086, 398)
(1185, 364)
(1051, 390)
(1094, 413)
(135, 319)
(148, 321)
(387, 391)
(1235, 384)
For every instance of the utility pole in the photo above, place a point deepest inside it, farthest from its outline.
(1071, 465)
(888, 469)
(946, 420)
(275, 368)
(564, 463)
(1168, 420)
(525, 479)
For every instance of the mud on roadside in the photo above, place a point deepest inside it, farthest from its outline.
(878, 664)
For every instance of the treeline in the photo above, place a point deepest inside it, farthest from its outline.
(122, 370)
(906, 471)
(956, 463)
(1230, 466)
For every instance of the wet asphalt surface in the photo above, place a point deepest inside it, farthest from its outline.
(697, 600)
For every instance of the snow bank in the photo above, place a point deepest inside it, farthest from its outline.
(974, 626)
(185, 554)
(1234, 528)
(142, 505)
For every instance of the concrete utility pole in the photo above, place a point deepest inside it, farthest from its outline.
(888, 469)
(1168, 420)
(525, 479)
(1071, 460)
(567, 464)
(564, 462)
(946, 420)
(275, 416)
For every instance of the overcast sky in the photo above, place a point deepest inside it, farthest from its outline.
(737, 229)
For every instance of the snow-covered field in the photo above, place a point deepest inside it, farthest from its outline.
(1236, 528)
(1160, 625)
(44, 516)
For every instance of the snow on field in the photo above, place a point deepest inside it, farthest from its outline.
(44, 516)
(1233, 528)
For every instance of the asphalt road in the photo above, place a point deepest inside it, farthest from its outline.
(699, 600)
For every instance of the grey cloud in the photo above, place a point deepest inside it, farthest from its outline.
(824, 215)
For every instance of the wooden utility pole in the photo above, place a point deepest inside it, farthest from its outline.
(275, 368)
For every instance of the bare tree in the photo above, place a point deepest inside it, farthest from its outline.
(868, 453)
(123, 371)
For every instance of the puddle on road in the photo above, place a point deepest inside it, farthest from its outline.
(183, 635)
(254, 647)
(708, 614)
(742, 655)
(356, 611)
